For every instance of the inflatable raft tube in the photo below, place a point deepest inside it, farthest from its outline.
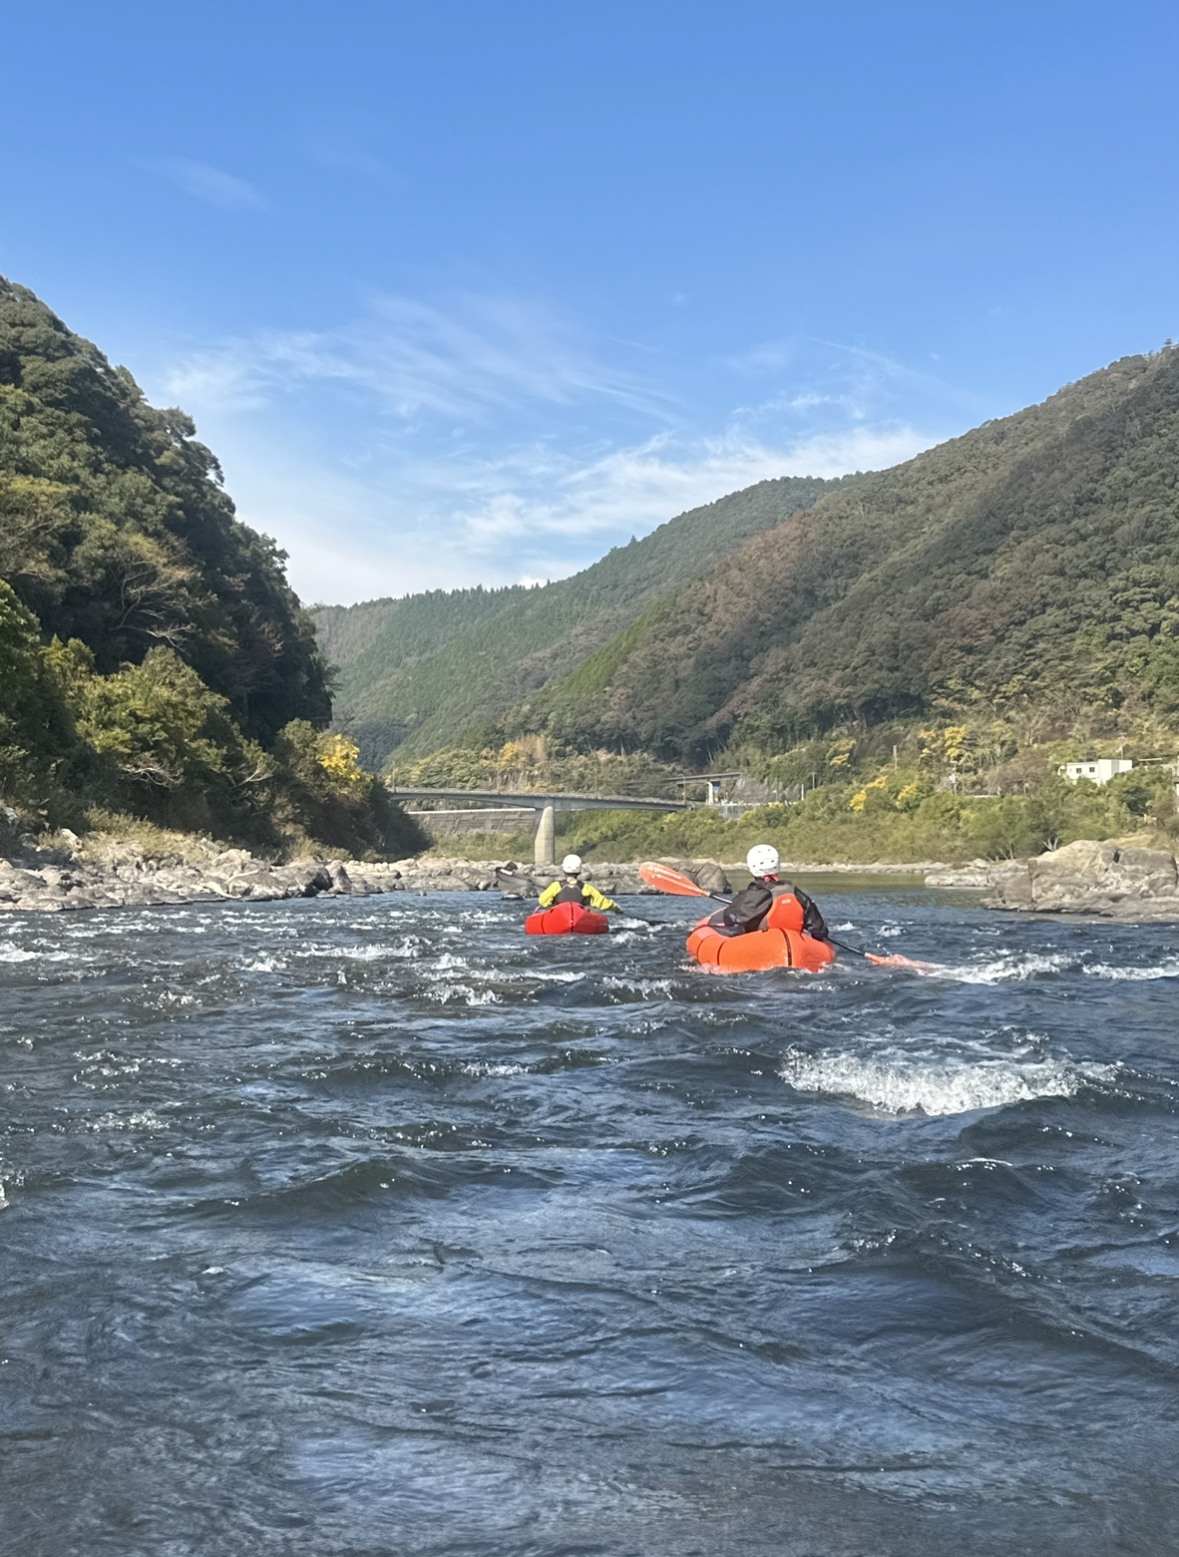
(566, 919)
(758, 950)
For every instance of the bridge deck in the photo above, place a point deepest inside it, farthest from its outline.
(538, 802)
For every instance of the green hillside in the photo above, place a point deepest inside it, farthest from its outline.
(115, 529)
(416, 672)
(154, 662)
(1027, 572)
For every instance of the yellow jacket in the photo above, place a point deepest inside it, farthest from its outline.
(590, 895)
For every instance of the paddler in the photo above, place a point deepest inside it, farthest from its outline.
(750, 908)
(574, 890)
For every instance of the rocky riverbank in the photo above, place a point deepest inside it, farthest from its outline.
(1104, 879)
(102, 871)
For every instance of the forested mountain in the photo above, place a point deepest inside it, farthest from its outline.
(153, 658)
(418, 671)
(1029, 570)
(115, 529)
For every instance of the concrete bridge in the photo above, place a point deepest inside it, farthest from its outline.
(544, 807)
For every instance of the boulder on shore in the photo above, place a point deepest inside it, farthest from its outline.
(977, 876)
(106, 871)
(1095, 878)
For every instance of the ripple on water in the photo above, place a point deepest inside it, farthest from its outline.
(407, 1232)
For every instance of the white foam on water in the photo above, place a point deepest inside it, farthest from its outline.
(411, 946)
(449, 963)
(11, 952)
(481, 1069)
(107, 1064)
(1167, 969)
(169, 997)
(1010, 967)
(144, 1121)
(462, 994)
(899, 1085)
(644, 987)
(374, 953)
(527, 976)
(264, 964)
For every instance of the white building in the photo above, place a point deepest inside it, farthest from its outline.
(1098, 770)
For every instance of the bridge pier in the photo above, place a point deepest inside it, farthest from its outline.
(544, 840)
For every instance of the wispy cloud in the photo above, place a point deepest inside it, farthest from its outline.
(490, 439)
(342, 152)
(532, 513)
(633, 489)
(210, 184)
(812, 371)
(483, 356)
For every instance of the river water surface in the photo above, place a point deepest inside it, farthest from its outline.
(373, 1227)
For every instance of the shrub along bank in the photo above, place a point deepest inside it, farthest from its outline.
(152, 741)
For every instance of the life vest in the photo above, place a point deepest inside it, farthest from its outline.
(572, 892)
(785, 911)
(763, 905)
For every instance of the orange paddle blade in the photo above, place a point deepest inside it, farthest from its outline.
(668, 880)
(897, 961)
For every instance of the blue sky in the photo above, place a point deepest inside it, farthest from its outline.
(471, 290)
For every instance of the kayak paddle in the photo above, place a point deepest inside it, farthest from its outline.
(667, 880)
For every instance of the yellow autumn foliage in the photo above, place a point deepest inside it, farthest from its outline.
(860, 799)
(339, 758)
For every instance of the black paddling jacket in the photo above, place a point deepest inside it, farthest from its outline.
(752, 904)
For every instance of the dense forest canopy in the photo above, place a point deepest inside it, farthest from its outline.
(415, 672)
(153, 659)
(1027, 570)
(115, 529)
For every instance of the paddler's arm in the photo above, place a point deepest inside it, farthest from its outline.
(549, 893)
(599, 900)
(813, 922)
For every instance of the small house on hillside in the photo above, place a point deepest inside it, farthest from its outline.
(1098, 770)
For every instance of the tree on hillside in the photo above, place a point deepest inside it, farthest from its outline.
(115, 530)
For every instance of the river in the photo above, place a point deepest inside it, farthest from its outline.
(373, 1227)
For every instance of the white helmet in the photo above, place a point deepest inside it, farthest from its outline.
(571, 864)
(762, 860)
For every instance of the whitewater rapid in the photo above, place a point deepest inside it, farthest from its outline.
(336, 1228)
